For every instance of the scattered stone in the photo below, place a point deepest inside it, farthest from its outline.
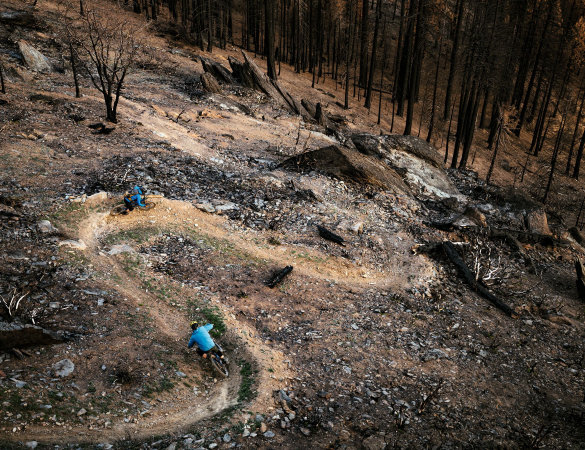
(78, 245)
(226, 437)
(263, 427)
(205, 206)
(229, 206)
(19, 383)
(374, 442)
(212, 445)
(64, 368)
(180, 374)
(269, 434)
(305, 431)
(44, 226)
(32, 444)
(81, 412)
(172, 446)
(120, 248)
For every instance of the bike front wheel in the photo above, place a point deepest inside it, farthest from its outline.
(220, 365)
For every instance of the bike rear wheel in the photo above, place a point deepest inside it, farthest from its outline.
(220, 365)
(118, 209)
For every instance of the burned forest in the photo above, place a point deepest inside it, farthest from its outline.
(290, 224)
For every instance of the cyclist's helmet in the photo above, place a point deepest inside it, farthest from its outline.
(194, 325)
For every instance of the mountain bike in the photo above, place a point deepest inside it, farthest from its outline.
(219, 364)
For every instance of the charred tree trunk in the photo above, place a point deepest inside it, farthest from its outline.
(2, 85)
(269, 38)
(73, 69)
(575, 133)
(453, 66)
(554, 161)
(209, 27)
(364, 45)
(368, 102)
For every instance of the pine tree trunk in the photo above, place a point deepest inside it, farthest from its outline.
(453, 66)
(368, 102)
(364, 45)
(575, 133)
(269, 38)
(73, 68)
(554, 160)
(209, 27)
(434, 103)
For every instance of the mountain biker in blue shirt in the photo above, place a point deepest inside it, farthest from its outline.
(201, 337)
(134, 198)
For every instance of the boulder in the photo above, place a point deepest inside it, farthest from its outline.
(382, 145)
(418, 162)
(78, 245)
(120, 248)
(63, 368)
(44, 226)
(348, 165)
(537, 223)
(96, 199)
(34, 59)
(15, 335)
(210, 84)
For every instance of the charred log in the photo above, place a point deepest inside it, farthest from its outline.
(469, 276)
(278, 276)
(330, 236)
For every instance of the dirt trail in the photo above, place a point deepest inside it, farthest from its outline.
(183, 216)
(179, 414)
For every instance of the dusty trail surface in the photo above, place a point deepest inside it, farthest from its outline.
(369, 345)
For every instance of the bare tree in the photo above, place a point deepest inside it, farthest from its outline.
(107, 45)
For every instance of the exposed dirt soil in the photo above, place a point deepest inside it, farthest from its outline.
(362, 346)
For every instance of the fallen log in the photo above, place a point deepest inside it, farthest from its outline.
(577, 235)
(326, 234)
(278, 276)
(529, 237)
(469, 276)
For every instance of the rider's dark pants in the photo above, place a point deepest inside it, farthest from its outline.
(215, 349)
(128, 204)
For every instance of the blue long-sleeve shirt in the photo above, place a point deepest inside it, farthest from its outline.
(202, 338)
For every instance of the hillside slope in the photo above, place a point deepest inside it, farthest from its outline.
(372, 344)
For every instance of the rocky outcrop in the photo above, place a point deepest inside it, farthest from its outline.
(419, 163)
(348, 165)
(15, 335)
(34, 59)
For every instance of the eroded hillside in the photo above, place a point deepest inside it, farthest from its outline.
(375, 343)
